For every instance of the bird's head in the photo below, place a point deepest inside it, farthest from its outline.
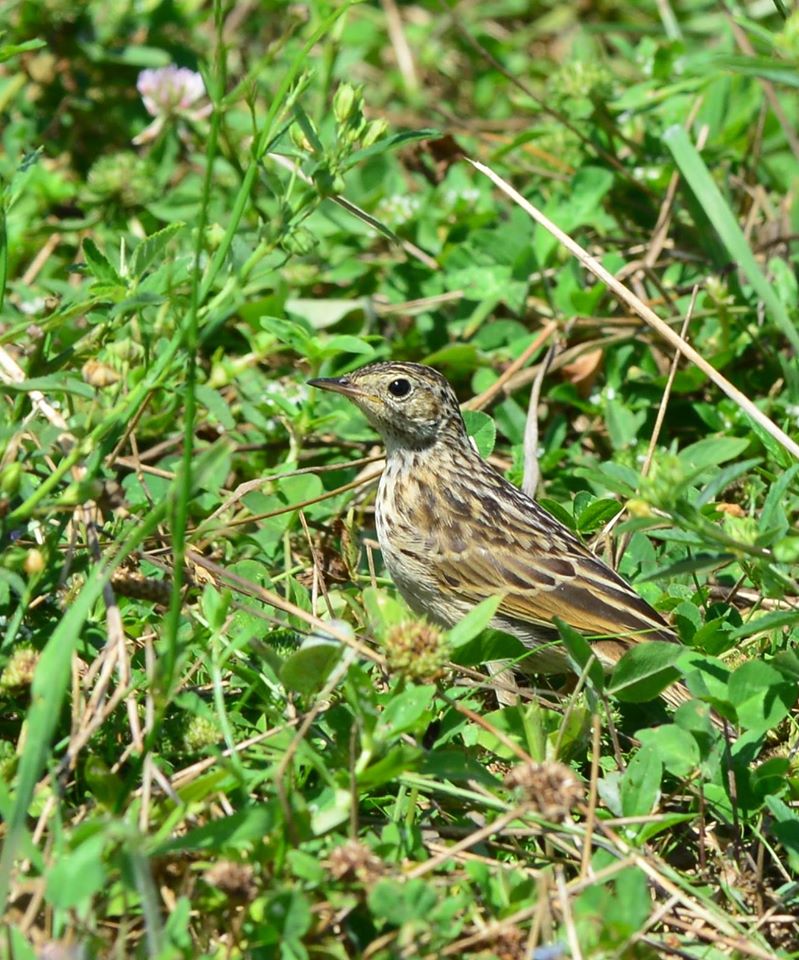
(410, 405)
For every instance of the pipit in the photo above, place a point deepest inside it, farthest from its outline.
(453, 531)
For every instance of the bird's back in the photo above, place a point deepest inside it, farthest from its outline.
(453, 531)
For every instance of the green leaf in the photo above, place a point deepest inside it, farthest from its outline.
(597, 514)
(400, 759)
(306, 125)
(255, 822)
(579, 205)
(772, 516)
(770, 778)
(644, 671)
(706, 677)
(56, 383)
(786, 829)
(286, 919)
(776, 450)
(130, 55)
(640, 783)
(489, 645)
(616, 477)
(324, 313)
(763, 697)
(307, 670)
(724, 478)
(482, 429)
(710, 452)
(677, 750)
(215, 605)
(623, 424)
(769, 621)
(392, 142)
(558, 511)
(765, 68)
(456, 764)
(474, 621)
(98, 263)
(330, 809)
(214, 403)
(77, 875)
(152, 247)
(408, 710)
(717, 210)
(402, 901)
(107, 787)
(345, 343)
(695, 564)
(10, 50)
(581, 656)
(383, 610)
(21, 948)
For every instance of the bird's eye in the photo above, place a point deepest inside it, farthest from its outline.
(399, 387)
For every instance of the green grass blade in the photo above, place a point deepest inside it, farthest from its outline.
(717, 210)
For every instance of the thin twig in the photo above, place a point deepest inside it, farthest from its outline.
(483, 833)
(568, 920)
(483, 399)
(590, 815)
(532, 472)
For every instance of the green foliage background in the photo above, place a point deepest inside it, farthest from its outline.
(193, 764)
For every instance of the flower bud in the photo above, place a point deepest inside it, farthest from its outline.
(375, 130)
(299, 139)
(34, 562)
(10, 478)
(344, 100)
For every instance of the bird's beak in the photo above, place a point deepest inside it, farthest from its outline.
(337, 385)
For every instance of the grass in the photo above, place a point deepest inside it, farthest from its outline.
(223, 733)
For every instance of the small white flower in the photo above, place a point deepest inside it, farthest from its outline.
(468, 195)
(170, 90)
(399, 208)
(610, 393)
(31, 307)
(170, 93)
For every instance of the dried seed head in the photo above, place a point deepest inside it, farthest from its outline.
(354, 861)
(19, 670)
(234, 879)
(62, 950)
(98, 374)
(509, 943)
(417, 650)
(199, 734)
(552, 789)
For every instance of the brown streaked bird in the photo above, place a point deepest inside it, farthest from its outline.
(453, 531)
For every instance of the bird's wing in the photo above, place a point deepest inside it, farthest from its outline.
(546, 573)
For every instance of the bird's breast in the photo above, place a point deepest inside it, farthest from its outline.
(408, 529)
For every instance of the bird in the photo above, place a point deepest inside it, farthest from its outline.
(453, 531)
